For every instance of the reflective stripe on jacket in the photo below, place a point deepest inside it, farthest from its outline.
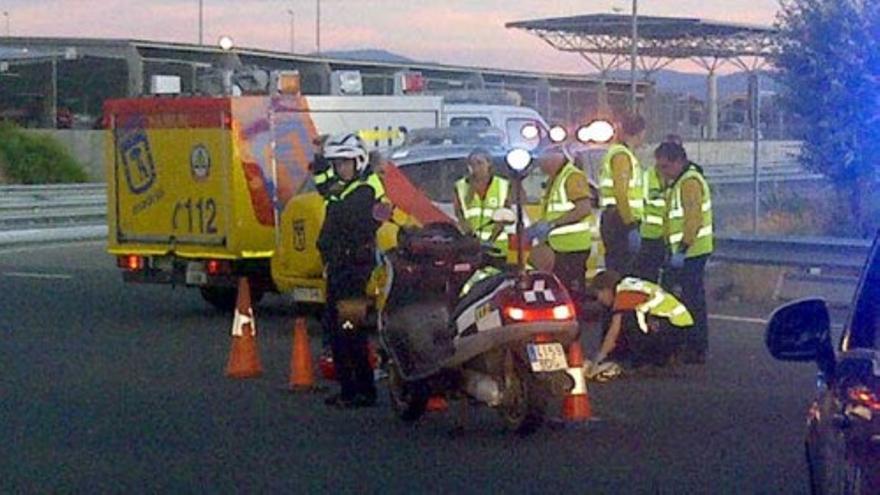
(635, 194)
(555, 204)
(660, 303)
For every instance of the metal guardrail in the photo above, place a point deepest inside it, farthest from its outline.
(805, 252)
(26, 207)
(84, 205)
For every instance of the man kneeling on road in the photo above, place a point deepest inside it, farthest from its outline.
(645, 324)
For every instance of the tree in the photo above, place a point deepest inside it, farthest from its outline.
(829, 69)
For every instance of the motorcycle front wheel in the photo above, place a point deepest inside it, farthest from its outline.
(408, 399)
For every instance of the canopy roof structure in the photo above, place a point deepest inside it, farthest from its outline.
(605, 40)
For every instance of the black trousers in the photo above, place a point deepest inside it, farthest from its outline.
(615, 237)
(688, 284)
(571, 269)
(348, 343)
(640, 349)
(650, 259)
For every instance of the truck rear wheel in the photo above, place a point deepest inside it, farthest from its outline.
(224, 298)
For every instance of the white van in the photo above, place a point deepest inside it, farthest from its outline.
(509, 118)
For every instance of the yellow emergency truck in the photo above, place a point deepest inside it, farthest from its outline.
(203, 190)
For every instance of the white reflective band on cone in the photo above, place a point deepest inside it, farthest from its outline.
(238, 323)
(580, 382)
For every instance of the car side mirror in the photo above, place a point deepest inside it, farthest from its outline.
(801, 331)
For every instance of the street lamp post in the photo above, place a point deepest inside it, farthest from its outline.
(8, 30)
(318, 26)
(292, 28)
(634, 53)
(201, 22)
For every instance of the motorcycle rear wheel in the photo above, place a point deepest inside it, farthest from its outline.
(524, 405)
(408, 399)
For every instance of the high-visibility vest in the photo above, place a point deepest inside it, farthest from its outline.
(655, 205)
(322, 178)
(660, 303)
(555, 204)
(478, 211)
(703, 244)
(477, 277)
(371, 180)
(635, 193)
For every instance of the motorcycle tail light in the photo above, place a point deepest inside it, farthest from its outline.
(560, 312)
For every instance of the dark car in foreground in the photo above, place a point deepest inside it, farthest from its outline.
(843, 422)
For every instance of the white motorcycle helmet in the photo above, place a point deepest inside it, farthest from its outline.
(347, 146)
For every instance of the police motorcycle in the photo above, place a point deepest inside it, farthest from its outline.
(457, 322)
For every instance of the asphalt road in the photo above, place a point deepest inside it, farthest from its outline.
(112, 388)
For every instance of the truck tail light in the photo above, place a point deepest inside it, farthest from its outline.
(218, 267)
(131, 262)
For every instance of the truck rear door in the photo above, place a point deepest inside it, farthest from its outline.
(171, 173)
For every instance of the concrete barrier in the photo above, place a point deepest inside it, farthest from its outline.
(87, 146)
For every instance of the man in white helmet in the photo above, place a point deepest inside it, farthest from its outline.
(347, 242)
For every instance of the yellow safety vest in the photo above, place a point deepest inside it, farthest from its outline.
(371, 180)
(323, 177)
(703, 244)
(660, 303)
(635, 194)
(655, 205)
(478, 211)
(555, 204)
(477, 277)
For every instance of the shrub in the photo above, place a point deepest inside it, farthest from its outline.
(31, 159)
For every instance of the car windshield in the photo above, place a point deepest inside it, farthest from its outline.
(483, 136)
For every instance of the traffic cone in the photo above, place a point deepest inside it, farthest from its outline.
(244, 359)
(436, 403)
(302, 375)
(576, 406)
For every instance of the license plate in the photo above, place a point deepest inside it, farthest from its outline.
(195, 274)
(163, 263)
(547, 357)
(307, 294)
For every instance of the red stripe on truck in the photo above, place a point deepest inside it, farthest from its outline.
(170, 113)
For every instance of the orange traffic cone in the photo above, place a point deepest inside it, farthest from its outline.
(244, 359)
(576, 406)
(302, 375)
(436, 403)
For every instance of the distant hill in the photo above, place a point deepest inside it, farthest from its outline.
(694, 84)
(368, 55)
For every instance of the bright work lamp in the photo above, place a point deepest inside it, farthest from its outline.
(597, 131)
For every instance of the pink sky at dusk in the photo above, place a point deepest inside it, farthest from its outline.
(460, 32)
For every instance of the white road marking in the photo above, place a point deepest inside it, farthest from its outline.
(41, 276)
(740, 319)
(757, 321)
(51, 245)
